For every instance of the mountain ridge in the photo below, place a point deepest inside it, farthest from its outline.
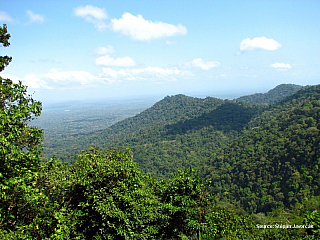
(275, 163)
(272, 96)
(177, 111)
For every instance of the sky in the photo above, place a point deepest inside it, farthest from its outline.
(85, 50)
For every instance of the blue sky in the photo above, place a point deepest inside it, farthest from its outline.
(68, 50)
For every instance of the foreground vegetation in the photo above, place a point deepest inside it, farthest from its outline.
(103, 194)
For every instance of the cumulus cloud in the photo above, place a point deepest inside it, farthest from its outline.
(70, 77)
(200, 63)
(92, 14)
(259, 43)
(76, 79)
(281, 66)
(57, 79)
(156, 71)
(104, 50)
(140, 29)
(30, 80)
(11, 77)
(117, 75)
(35, 18)
(5, 17)
(155, 74)
(115, 62)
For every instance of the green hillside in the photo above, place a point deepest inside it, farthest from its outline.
(271, 97)
(177, 132)
(258, 157)
(178, 115)
(165, 148)
(171, 109)
(275, 163)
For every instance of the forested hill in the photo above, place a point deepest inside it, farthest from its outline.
(169, 110)
(275, 163)
(273, 96)
(178, 131)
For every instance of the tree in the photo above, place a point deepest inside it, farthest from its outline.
(19, 149)
(4, 40)
(19, 143)
(187, 203)
(107, 195)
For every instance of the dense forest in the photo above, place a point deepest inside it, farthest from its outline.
(176, 113)
(185, 168)
(271, 97)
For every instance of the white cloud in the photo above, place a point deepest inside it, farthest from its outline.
(5, 17)
(93, 15)
(104, 50)
(281, 66)
(154, 74)
(259, 43)
(116, 62)
(89, 10)
(198, 62)
(117, 74)
(69, 77)
(143, 30)
(156, 71)
(11, 77)
(35, 18)
(57, 79)
(30, 80)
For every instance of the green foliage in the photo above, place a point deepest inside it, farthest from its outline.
(224, 223)
(170, 110)
(68, 133)
(177, 132)
(230, 116)
(185, 194)
(19, 142)
(20, 149)
(4, 40)
(273, 96)
(274, 163)
(103, 195)
(112, 197)
(190, 141)
(313, 218)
